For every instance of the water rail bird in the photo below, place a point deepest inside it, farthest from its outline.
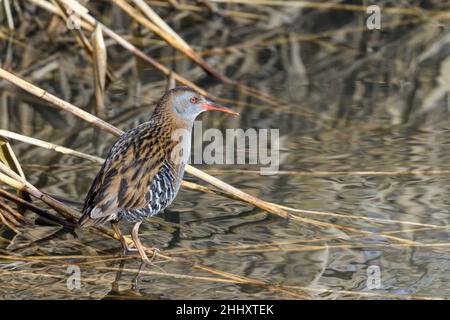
(144, 168)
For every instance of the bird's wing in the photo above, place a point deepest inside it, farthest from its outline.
(122, 183)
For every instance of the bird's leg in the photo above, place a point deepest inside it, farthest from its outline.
(138, 244)
(138, 276)
(119, 234)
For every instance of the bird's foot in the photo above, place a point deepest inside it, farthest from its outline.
(146, 262)
(155, 251)
(149, 261)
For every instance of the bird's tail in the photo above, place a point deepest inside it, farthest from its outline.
(86, 221)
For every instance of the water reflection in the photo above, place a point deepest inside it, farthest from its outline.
(351, 102)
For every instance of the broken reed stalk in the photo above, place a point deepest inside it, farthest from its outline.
(7, 156)
(13, 213)
(9, 224)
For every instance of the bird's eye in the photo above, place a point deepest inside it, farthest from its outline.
(193, 99)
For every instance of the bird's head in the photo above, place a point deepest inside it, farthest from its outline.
(186, 104)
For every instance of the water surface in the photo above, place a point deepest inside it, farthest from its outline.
(357, 111)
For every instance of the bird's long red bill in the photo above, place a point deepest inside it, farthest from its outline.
(214, 106)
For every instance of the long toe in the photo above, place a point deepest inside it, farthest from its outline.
(155, 251)
(147, 260)
(150, 261)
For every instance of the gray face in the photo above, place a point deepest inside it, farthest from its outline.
(188, 105)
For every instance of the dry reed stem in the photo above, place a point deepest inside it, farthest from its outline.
(100, 68)
(53, 9)
(8, 157)
(9, 17)
(50, 146)
(10, 178)
(87, 45)
(21, 184)
(61, 104)
(44, 214)
(158, 26)
(12, 212)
